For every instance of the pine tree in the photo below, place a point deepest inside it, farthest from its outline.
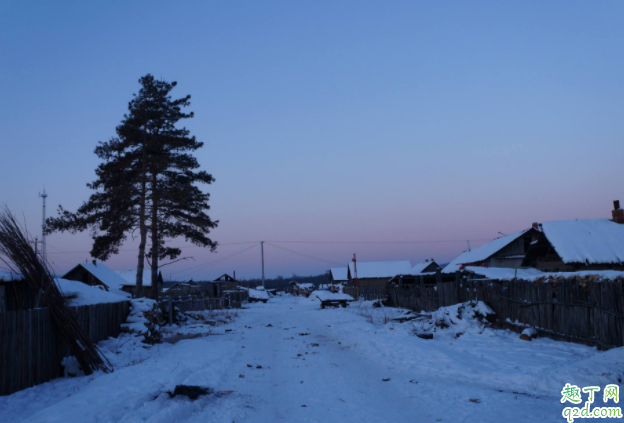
(147, 183)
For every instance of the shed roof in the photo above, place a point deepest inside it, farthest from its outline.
(483, 252)
(590, 241)
(104, 274)
(79, 294)
(339, 273)
(419, 268)
(381, 269)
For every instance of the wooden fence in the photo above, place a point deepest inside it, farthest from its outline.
(367, 293)
(586, 311)
(193, 304)
(32, 348)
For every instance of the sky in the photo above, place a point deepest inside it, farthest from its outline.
(411, 125)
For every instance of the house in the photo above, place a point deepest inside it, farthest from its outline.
(422, 273)
(129, 284)
(507, 252)
(193, 287)
(426, 267)
(377, 274)
(216, 288)
(338, 275)
(17, 294)
(579, 245)
(97, 274)
(177, 289)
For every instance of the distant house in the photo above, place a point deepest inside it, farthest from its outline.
(98, 274)
(217, 287)
(193, 287)
(507, 251)
(423, 272)
(426, 267)
(377, 274)
(338, 275)
(129, 285)
(576, 245)
(177, 289)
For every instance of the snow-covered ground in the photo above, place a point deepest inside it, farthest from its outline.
(329, 365)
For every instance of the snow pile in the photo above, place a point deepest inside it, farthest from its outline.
(79, 294)
(459, 318)
(144, 319)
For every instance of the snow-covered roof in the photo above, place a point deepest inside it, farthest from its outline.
(83, 294)
(418, 268)
(6, 275)
(305, 285)
(591, 241)
(339, 273)
(534, 274)
(107, 276)
(483, 252)
(380, 269)
(129, 277)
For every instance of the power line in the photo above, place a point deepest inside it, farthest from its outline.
(204, 265)
(305, 255)
(59, 251)
(377, 242)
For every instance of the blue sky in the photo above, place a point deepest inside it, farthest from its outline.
(328, 121)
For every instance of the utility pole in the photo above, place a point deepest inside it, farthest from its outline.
(43, 222)
(357, 294)
(262, 254)
(36, 245)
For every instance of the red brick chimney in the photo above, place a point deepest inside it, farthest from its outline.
(617, 213)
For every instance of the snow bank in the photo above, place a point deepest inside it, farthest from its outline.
(144, 317)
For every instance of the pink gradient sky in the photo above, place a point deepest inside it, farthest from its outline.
(353, 121)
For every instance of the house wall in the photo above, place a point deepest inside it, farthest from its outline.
(370, 282)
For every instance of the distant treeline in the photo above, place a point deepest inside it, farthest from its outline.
(279, 282)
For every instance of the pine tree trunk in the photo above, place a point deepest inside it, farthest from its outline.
(142, 228)
(155, 243)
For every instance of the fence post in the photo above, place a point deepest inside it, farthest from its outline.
(439, 287)
(170, 310)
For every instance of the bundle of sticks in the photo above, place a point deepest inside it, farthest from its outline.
(17, 253)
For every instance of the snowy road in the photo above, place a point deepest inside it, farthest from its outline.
(332, 373)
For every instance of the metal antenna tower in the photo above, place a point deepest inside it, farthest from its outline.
(43, 221)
